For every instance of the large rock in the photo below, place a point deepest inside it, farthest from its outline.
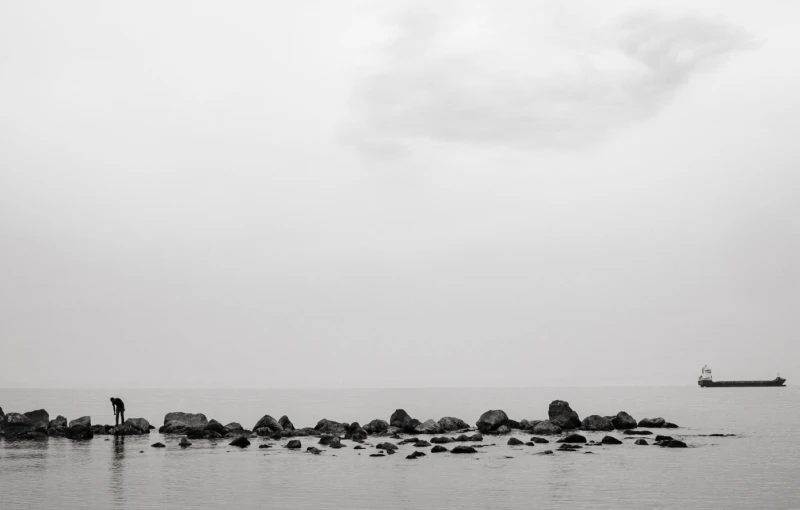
(294, 444)
(60, 421)
(450, 424)
(562, 415)
(545, 428)
(596, 423)
(623, 421)
(652, 423)
(528, 424)
(610, 440)
(18, 426)
(355, 432)
(178, 423)
(428, 427)
(376, 427)
(217, 427)
(266, 426)
(386, 446)
(334, 428)
(463, 449)
(491, 421)
(39, 420)
(400, 419)
(285, 423)
(331, 441)
(241, 442)
(132, 427)
(80, 428)
(233, 426)
(100, 430)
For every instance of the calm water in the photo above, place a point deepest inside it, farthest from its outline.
(757, 469)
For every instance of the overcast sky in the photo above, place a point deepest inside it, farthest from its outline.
(378, 194)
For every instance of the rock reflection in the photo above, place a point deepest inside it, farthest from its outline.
(118, 469)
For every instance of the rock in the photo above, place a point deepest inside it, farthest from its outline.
(409, 440)
(39, 420)
(562, 415)
(177, 422)
(663, 438)
(386, 446)
(238, 433)
(502, 429)
(217, 427)
(80, 428)
(546, 452)
(463, 449)
(546, 428)
(442, 440)
(450, 424)
(438, 449)
(623, 421)
(241, 442)
(428, 427)
(359, 447)
(539, 440)
(596, 423)
(286, 423)
(652, 423)
(638, 432)
(415, 455)
(99, 430)
(158, 445)
(332, 428)
(513, 424)
(294, 444)
(528, 424)
(569, 448)
(641, 442)
(355, 432)
(475, 437)
(421, 444)
(17, 426)
(184, 443)
(610, 440)
(572, 438)
(492, 420)
(676, 444)
(267, 446)
(313, 450)
(330, 440)
(134, 426)
(400, 419)
(377, 455)
(514, 442)
(266, 426)
(233, 426)
(202, 433)
(59, 422)
(376, 427)
(721, 435)
(668, 425)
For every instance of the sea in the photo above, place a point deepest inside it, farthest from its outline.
(758, 468)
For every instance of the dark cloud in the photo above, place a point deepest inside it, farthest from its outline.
(423, 94)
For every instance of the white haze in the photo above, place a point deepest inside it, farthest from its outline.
(376, 194)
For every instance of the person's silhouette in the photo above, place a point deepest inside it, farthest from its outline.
(119, 409)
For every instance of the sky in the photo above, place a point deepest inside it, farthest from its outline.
(398, 194)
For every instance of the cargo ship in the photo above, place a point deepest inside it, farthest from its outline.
(706, 381)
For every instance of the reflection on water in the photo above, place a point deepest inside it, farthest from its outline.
(756, 469)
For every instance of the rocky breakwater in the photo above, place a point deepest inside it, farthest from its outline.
(196, 426)
(80, 428)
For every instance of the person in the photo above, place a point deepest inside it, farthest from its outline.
(119, 409)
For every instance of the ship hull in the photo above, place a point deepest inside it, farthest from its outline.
(779, 382)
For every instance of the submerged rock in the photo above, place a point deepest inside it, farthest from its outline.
(438, 449)
(641, 442)
(572, 438)
(562, 415)
(668, 425)
(597, 423)
(547, 428)
(663, 438)
(623, 421)
(491, 421)
(676, 444)
(158, 445)
(241, 442)
(184, 443)
(610, 440)
(386, 446)
(539, 440)
(442, 440)
(313, 450)
(463, 449)
(415, 455)
(514, 442)
(450, 424)
(294, 444)
(377, 455)
(652, 423)
(639, 432)
(330, 441)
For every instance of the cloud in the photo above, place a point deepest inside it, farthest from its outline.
(619, 74)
